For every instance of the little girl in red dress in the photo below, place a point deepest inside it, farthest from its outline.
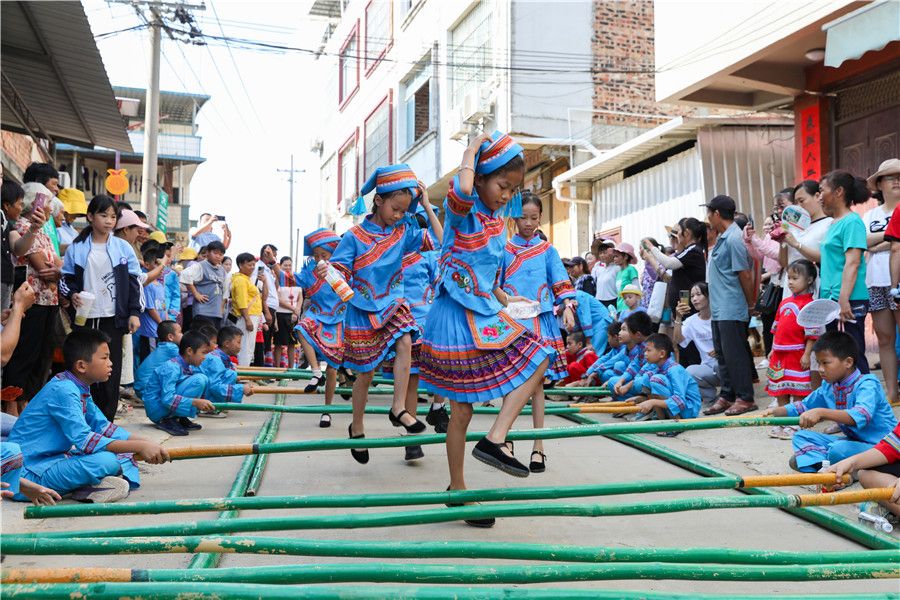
(789, 374)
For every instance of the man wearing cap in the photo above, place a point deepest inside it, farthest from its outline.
(605, 272)
(74, 206)
(730, 297)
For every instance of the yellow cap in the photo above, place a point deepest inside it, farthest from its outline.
(188, 254)
(73, 201)
(159, 237)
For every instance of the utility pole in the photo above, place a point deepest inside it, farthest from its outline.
(151, 125)
(149, 189)
(290, 173)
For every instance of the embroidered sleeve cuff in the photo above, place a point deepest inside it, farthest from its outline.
(94, 443)
(890, 447)
(795, 409)
(344, 271)
(861, 415)
(563, 290)
(457, 202)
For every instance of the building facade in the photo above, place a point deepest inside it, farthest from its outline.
(410, 81)
(179, 154)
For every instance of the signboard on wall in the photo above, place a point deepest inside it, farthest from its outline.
(162, 212)
(810, 143)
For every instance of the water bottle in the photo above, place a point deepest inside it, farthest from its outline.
(337, 283)
(825, 466)
(866, 515)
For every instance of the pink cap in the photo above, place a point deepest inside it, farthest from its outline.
(128, 219)
(626, 248)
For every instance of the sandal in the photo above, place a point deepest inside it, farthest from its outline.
(491, 454)
(417, 427)
(325, 420)
(740, 407)
(719, 406)
(668, 434)
(313, 384)
(480, 523)
(360, 456)
(535, 466)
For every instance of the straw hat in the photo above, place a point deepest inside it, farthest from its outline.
(889, 167)
(631, 289)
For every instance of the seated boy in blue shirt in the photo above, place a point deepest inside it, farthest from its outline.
(221, 372)
(168, 336)
(669, 392)
(636, 328)
(856, 402)
(12, 482)
(67, 444)
(175, 390)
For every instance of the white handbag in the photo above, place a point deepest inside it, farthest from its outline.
(657, 301)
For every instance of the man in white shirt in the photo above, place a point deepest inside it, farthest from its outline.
(604, 272)
(268, 256)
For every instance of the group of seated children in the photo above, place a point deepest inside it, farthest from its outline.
(187, 373)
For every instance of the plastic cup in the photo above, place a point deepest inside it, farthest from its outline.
(82, 312)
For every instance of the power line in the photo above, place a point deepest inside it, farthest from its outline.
(237, 69)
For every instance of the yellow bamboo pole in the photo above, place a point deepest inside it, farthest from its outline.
(851, 497)
(608, 409)
(219, 450)
(789, 479)
(602, 404)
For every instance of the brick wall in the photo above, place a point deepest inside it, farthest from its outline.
(624, 62)
(17, 148)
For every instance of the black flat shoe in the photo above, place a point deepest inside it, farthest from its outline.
(485, 523)
(325, 420)
(349, 377)
(313, 385)
(417, 427)
(360, 456)
(491, 454)
(414, 453)
(188, 424)
(511, 445)
(439, 419)
(538, 466)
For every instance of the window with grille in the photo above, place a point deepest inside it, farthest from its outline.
(379, 31)
(377, 148)
(470, 52)
(347, 173)
(348, 67)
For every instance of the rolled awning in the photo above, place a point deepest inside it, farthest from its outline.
(871, 27)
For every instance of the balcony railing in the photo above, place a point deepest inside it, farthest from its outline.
(169, 144)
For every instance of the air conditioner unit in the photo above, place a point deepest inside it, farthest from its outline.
(476, 106)
(317, 147)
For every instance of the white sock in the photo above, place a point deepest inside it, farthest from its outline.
(317, 373)
(437, 405)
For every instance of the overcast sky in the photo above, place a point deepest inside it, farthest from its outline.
(247, 135)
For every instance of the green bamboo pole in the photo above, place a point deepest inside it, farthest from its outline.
(467, 574)
(18, 545)
(820, 516)
(310, 409)
(260, 467)
(243, 591)
(399, 499)
(238, 489)
(523, 434)
(442, 515)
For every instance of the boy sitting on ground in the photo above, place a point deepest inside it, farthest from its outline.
(168, 336)
(221, 372)
(174, 392)
(67, 443)
(614, 360)
(579, 357)
(636, 328)
(856, 402)
(669, 392)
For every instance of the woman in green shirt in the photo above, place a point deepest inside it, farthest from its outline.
(843, 276)
(624, 258)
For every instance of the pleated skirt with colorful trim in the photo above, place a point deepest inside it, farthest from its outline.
(546, 327)
(369, 338)
(327, 339)
(455, 365)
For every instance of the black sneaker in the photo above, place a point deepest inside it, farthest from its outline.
(188, 424)
(171, 426)
(491, 454)
(313, 385)
(414, 453)
(438, 418)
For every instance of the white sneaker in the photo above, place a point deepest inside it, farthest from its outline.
(110, 489)
(763, 364)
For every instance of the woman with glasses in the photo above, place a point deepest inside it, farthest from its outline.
(885, 185)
